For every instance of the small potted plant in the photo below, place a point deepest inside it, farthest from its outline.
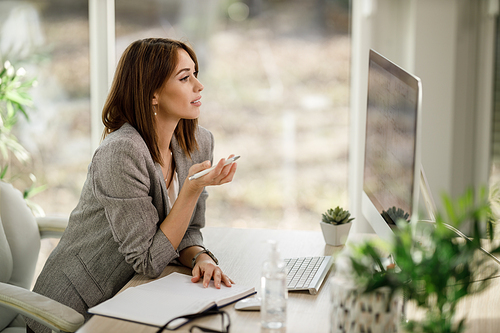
(394, 214)
(335, 224)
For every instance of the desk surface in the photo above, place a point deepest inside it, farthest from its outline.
(241, 253)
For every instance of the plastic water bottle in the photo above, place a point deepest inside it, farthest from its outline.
(274, 291)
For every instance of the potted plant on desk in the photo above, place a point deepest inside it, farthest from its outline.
(435, 268)
(335, 225)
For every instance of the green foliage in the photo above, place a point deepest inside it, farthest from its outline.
(14, 100)
(435, 268)
(337, 216)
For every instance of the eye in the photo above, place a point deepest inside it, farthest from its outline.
(195, 74)
(185, 78)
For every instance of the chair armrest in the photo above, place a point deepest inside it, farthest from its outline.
(44, 310)
(51, 226)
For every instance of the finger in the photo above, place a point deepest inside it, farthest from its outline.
(207, 276)
(195, 168)
(218, 173)
(214, 173)
(201, 166)
(225, 168)
(222, 176)
(220, 166)
(217, 277)
(230, 175)
(227, 281)
(196, 274)
(228, 168)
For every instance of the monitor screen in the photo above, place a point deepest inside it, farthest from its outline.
(391, 164)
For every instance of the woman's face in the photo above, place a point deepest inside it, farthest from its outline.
(179, 98)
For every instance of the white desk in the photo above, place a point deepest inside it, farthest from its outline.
(241, 253)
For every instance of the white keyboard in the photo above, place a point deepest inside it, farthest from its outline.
(307, 273)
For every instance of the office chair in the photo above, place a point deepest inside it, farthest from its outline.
(20, 234)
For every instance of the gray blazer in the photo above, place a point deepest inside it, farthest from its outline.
(114, 232)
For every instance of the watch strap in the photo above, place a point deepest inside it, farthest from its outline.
(210, 254)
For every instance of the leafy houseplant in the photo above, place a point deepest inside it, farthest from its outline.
(14, 100)
(335, 225)
(435, 268)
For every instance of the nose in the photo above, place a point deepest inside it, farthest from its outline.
(198, 86)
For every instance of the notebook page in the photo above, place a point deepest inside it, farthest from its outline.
(157, 302)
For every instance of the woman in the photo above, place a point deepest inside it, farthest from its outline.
(138, 210)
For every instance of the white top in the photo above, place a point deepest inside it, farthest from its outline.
(173, 190)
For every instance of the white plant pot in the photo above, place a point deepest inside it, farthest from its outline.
(335, 234)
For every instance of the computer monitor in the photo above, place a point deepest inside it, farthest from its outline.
(391, 177)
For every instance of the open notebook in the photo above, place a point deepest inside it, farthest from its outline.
(155, 303)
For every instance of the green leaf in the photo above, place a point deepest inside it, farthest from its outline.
(32, 191)
(4, 150)
(16, 148)
(18, 98)
(11, 111)
(3, 171)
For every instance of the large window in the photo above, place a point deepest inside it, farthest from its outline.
(276, 77)
(50, 40)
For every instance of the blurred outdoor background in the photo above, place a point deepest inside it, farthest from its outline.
(276, 77)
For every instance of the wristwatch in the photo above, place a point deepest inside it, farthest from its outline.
(210, 254)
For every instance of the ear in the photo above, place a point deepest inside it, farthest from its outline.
(155, 99)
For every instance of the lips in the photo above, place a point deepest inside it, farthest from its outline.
(197, 102)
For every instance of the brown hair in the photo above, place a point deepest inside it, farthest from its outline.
(143, 69)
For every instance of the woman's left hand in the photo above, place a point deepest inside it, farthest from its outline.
(206, 269)
(221, 174)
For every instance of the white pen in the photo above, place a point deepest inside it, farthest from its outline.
(204, 172)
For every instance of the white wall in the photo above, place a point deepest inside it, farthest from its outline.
(449, 45)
